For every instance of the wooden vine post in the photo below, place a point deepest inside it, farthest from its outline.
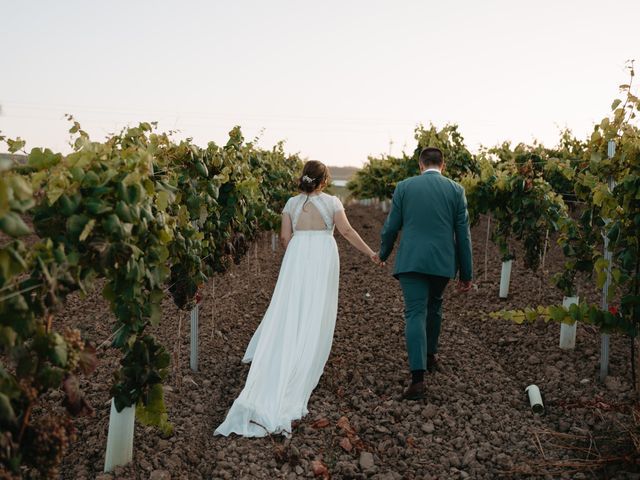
(486, 247)
(193, 357)
(604, 342)
(194, 331)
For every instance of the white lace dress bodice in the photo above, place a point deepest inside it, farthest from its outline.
(325, 205)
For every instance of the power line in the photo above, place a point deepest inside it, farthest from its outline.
(222, 115)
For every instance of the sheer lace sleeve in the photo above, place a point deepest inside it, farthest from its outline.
(337, 205)
(288, 207)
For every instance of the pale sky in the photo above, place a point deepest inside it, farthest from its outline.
(338, 80)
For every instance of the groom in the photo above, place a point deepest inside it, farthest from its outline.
(431, 211)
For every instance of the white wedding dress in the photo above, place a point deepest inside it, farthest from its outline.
(291, 345)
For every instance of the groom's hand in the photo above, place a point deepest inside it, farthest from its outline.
(464, 286)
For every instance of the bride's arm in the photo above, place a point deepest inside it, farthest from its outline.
(286, 230)
(348, 232)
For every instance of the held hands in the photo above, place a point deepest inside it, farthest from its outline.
(463, 286)
(375, 258)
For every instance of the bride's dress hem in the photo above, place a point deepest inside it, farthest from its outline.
(251, 426)
(290, 347)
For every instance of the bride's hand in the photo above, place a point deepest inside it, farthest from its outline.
(376, 259)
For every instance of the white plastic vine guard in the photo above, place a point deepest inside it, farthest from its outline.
(568, 332)
(120, 437)
(505, 278)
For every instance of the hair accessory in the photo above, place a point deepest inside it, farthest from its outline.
(308, 179)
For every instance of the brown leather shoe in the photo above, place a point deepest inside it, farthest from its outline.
(414, 392)
(433, 365)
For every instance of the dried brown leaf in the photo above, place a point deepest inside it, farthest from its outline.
(320, 469)
(321, 423)
(344, 425)
(345, 443)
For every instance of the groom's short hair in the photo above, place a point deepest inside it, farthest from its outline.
(431, 156)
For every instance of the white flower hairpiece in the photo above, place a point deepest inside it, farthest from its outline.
(308, 179)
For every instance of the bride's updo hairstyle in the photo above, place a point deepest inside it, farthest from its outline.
(314, 174)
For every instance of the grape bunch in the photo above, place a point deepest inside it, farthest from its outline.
(46, 442)
(75, 345)
(8, 447)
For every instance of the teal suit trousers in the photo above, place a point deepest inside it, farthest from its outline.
(431, 212)
(423, 315)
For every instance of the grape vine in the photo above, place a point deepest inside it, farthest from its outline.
(144, 213)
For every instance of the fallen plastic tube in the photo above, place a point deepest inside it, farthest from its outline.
(535, 399)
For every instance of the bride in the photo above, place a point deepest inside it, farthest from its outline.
(291, 345)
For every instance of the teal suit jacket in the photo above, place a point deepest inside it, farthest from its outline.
(431, 211)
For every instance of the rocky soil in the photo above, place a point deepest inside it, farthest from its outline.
(474, 423)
